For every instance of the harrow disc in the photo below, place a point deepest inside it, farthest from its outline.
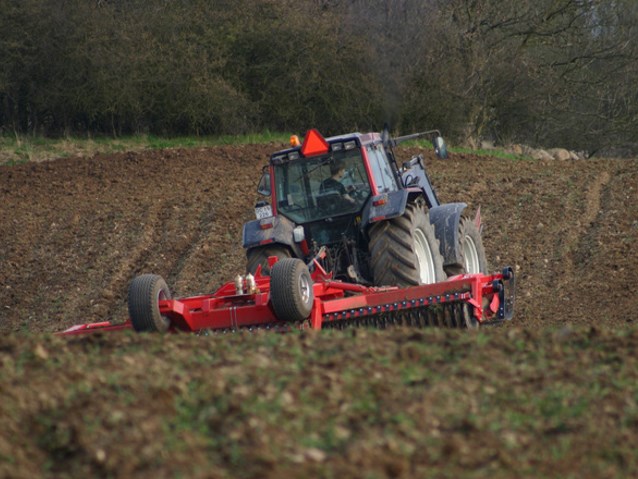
(457, 315)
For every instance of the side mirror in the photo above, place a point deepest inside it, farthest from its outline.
(264, 184)
(440, 148)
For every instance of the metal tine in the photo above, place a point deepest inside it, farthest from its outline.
(424, 317)
(453, 315)
(448, 318)
(458, 314)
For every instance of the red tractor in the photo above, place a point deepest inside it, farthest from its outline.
(349, 238)
(377, 222)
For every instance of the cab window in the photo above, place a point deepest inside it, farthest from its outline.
(298, 186)
(381, 169)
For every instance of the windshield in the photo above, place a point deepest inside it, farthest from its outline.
(310, 189)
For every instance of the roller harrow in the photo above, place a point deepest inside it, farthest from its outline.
(293, 298)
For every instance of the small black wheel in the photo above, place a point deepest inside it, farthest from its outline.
(259, 256)
(291, 290)
(468, 320)
(144, 294)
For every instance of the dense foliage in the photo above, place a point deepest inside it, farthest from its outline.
(548, 71)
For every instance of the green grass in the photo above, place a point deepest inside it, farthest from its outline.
(495, 153)
(19, 149)
(492, 153)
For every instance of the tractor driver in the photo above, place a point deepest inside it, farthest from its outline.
(333, 183)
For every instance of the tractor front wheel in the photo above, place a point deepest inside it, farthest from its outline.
(291, 291)
(404, 251)
(144, 294)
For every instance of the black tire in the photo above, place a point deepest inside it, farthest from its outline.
(469, 321)
(394, 250)
(471, 248)
(463, 317)
(291, 291)
(259, 256)
(144, 294)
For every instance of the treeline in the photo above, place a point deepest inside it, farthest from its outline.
(557, 72)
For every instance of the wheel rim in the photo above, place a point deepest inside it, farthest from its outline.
(304, 288)
(425, 260)
(470, 254)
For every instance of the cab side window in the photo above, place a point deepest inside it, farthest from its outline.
(381, 169)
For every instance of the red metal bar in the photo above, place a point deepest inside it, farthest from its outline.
(334, 300)
(94, 327)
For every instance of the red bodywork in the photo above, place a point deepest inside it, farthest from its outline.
(333, 301)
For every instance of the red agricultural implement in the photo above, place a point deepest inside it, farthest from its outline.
(395, 254)
(292, 298)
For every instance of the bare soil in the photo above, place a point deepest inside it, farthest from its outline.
(74, 232)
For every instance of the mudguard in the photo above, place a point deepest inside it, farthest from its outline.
(389, 205)
(446, 219)
(280, 232)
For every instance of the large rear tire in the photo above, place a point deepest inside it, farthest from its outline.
(144, 294)
(472, 250)
(404, 251)
(259, 256)
(291, 291)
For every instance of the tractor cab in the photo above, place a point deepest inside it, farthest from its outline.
(321, 187)
(326, 178)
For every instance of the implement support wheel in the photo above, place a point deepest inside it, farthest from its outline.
(144, 294)
(291, 291)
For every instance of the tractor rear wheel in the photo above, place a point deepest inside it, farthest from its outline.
(404, 251)
(291, 290)
(259, 256)
(144, 294)
(471, 248)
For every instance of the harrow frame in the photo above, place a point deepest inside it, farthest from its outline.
(467, 300)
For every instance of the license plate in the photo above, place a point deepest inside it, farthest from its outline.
(263, 212)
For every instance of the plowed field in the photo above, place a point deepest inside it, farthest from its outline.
(554, 393)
